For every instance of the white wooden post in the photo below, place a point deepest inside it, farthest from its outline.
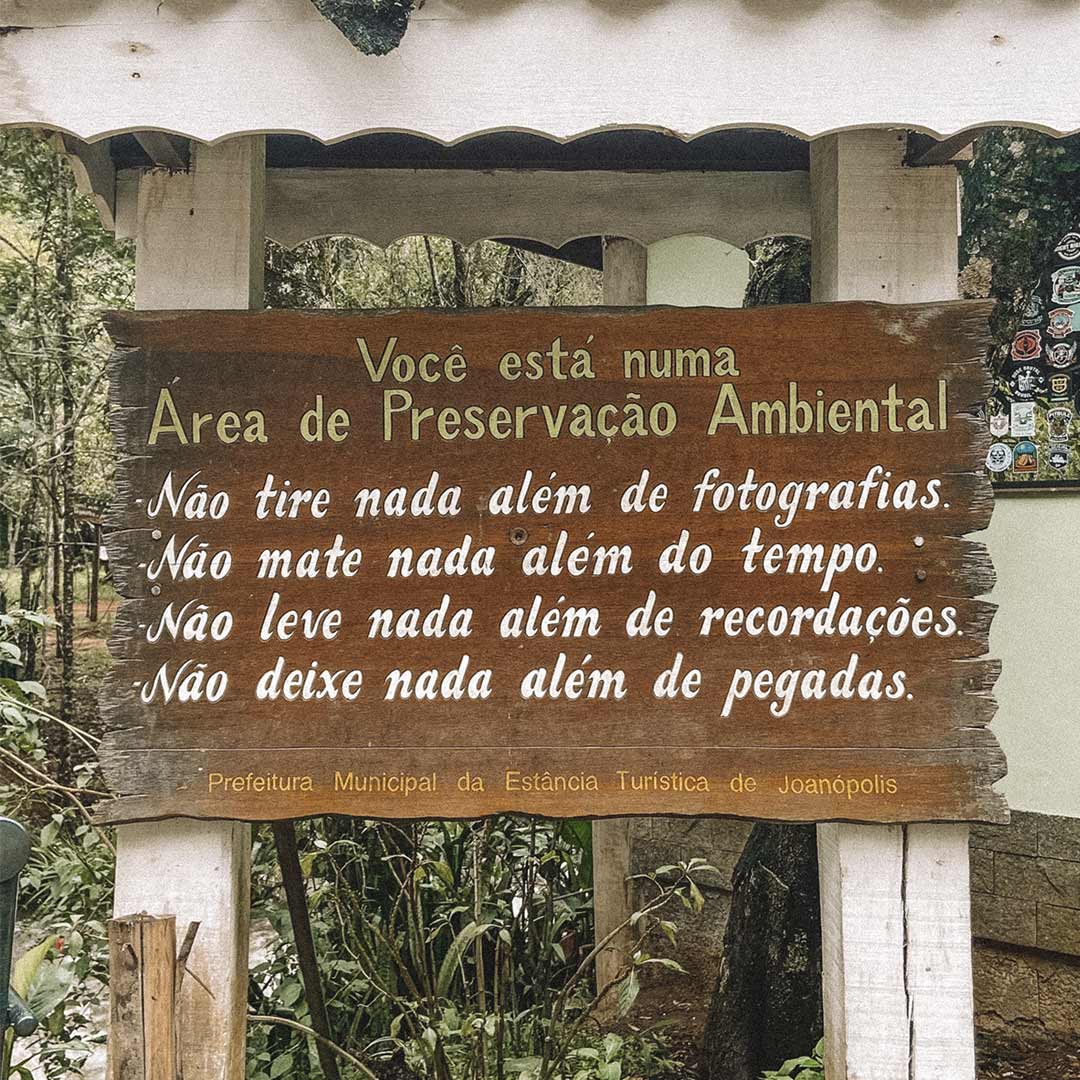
(895, 901)
(625, 274)
(199, 244)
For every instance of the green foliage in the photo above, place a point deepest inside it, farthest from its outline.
(45, 227)
(452, 949)
(810, 1067)
(374, 26)
(67, 892)
(420, 271)
(66, 887)
(1021, 194)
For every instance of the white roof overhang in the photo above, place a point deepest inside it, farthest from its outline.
(208, 69)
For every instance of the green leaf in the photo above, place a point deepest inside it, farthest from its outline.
(521, 1065)
(36, 618)
(628, 993)
(32, 688)
(696, 898)
(663, 961)
(454, 954)
(50, 987)
(26, 967)
(444, 872)
(281, 1066)
(612, 1045)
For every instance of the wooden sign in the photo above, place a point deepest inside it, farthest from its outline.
(567, 562)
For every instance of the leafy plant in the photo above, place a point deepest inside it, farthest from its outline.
(810, 1067)
(67, 883)
(457, 950)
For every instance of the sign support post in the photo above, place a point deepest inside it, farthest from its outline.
(199, 244)
(895, 900)
(625, 277)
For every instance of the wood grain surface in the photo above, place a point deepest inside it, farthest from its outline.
(784, 745)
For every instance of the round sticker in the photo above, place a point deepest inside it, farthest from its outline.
(1061, 354)
(1069, 247)
(999, 457)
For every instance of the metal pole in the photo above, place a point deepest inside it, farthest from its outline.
(14, 851)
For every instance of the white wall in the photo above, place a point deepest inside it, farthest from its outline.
(1034, 541)
(691, 270)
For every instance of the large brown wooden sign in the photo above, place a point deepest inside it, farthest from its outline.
(568, 562)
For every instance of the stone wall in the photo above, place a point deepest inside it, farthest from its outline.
(1025, 909)
(1025, 882)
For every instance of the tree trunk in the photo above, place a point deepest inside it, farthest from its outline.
(66, 548)
(511, 291)
(53, 555)
(767, 1003)
(459, 284)
(26, 559)
(95, 574)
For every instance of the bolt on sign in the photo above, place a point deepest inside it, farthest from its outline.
(567, 562)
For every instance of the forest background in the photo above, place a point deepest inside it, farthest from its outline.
(448, 950)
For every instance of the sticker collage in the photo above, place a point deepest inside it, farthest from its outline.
(1033, 410)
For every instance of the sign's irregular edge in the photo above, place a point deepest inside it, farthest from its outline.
(131, 331)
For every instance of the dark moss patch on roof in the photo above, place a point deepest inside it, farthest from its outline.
(375, 27)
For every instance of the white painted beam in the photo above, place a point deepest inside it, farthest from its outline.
(625, 277)
(383, 205)
(199, 234)
(895, 901)
(199, 243)
(94, 173)
(557, 67)
(165, 150)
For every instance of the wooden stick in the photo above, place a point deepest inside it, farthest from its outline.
(295, 894)
(142, 998)
(178, 984)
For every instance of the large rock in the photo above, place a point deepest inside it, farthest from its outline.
(767, 1002)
